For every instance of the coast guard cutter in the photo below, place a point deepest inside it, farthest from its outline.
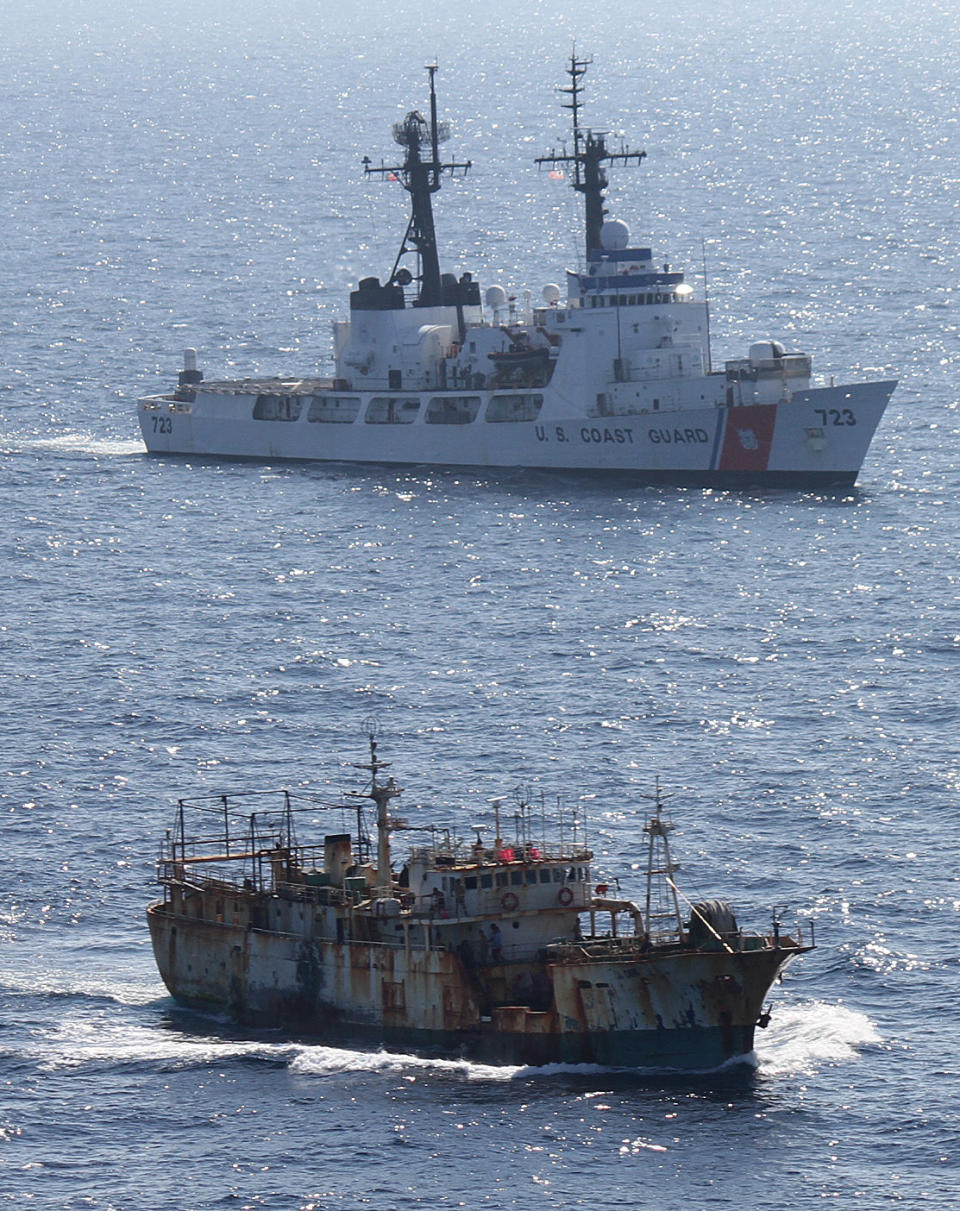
(613, 375)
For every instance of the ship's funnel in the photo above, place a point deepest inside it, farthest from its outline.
(337, 856)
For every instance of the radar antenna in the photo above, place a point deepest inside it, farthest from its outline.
(588, 156)
(420, 174)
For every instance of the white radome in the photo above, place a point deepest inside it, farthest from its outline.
(615, 235)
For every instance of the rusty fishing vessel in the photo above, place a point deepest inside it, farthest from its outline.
(509, 951)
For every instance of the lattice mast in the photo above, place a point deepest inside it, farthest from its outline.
(588, 156)
(420, 174)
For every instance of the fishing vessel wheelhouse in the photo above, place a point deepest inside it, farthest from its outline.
(617, 377)
(509, 951)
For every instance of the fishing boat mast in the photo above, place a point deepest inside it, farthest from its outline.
(588, 157)
(381, 794)
(420, 174)
(662, 904)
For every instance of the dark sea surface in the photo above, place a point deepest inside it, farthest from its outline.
(786, 662)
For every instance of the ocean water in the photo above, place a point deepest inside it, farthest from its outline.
(785, 662)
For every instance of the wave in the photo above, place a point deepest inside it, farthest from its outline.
(84, 443)
(75, 1044)
(100, 1040)
(109, 988)
(803, 1037)
(323, 1061)
(122, 1025)
(332, 1061)
(97, 1040)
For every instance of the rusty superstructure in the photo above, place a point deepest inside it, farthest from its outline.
(511, 951)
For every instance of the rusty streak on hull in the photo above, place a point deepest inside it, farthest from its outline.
(688, 1009)
(511, 952)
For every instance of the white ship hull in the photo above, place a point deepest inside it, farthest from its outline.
(817, 438)
(616, 378)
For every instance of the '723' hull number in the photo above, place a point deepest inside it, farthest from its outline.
(835, 416)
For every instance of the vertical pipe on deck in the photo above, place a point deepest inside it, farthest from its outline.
(183, 836)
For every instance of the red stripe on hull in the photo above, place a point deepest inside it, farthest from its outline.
(748, 437)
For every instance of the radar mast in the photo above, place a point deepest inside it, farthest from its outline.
(588, 156)
(420, 174)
